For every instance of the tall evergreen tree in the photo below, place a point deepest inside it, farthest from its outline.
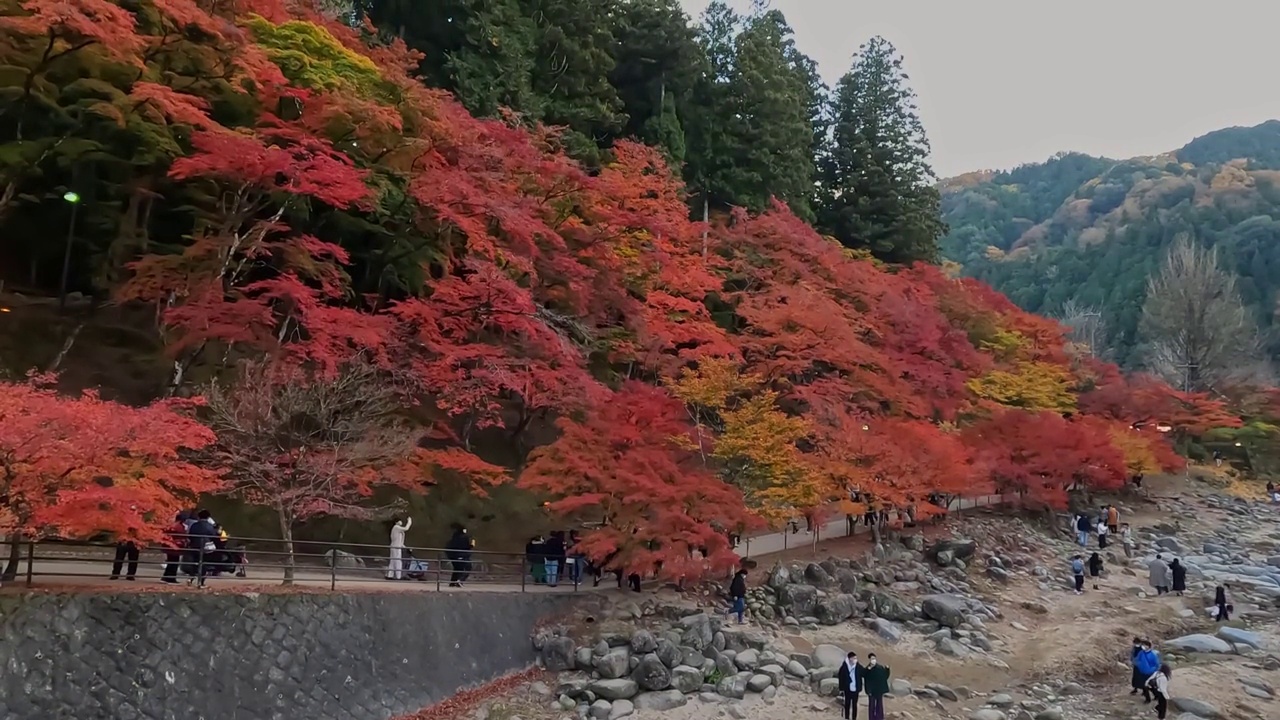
(481, 50)
(658, 64)
(877, 189)
(711, 127)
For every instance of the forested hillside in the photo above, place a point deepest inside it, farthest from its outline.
(1079, 233)
(360, 291)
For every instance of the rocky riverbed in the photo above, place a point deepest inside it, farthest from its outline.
(979, 624)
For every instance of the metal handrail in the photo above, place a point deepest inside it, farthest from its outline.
(42, 558)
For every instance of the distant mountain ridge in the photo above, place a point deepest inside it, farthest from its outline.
(1088, 229)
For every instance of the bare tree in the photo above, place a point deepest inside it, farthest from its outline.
(1086, 326)
(308, 445)
(1197, 332)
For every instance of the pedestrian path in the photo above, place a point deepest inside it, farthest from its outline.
(777, 542)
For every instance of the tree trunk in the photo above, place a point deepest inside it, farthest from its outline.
(15, 556)
(706, 218)
(66, 347)
(286, 534)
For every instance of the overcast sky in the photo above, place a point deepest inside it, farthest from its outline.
(1003, 82)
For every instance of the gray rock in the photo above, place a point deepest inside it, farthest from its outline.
(599, 710)
(779, 577)
(815, 574)
(660, 701)
(1240, 637)
(997, 573)
(776, 674)
(669, 653)
(686, 679)
(835, 609)
(621, 709)
(614, 689)
(1049, 714)
(613, 664)
(734, 686)
(828, 656)
(848, 580)
(986, 714)
(948, 610)
(890, 607)
(951, 648)
(960, 549)
(696, 631)
(582, 658)
(643, 641)
(651, 673)
(1170, 544)
(799, 599)
(559, 654)
(342, 560)
(1000, 700)
(797, 669)
(1196, 707)
(887, 630)
(943, 691)
(757, 683)
(828, 687)
(1199, 643)
(574, 688)
(747, 659)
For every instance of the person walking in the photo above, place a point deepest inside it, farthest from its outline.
(458, 550)
(1126, 538)
(1095, 568)
(738, 594)
(1077, 572)
(875, 680)
(1158, 575)
(1146, 663)
(1220, 600)
(1138, 680)
(1178, 572)
(850, 679)
(1159, 684)
(1113, 519)
(1083, 526)
(202, 539)
(1103, 532)
(175, 540)
(555, 553)
(395, 569)
(125, 549)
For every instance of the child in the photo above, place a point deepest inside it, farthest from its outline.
(1077, 570)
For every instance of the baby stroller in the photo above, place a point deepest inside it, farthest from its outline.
(414, 569)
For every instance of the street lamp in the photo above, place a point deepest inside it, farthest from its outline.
(72, 199)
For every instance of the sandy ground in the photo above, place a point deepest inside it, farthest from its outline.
(1082, 639)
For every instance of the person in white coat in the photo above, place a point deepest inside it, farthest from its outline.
(395, 571)
(1159, 684)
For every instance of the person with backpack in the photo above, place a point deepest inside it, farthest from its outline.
(738, 594)
(1159, 684)
(202, 538)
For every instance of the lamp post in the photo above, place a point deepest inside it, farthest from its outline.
(73, 200)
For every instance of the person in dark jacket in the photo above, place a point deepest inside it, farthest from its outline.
(1220, 600)
(850, 679)
(458, 550)
(738, 593)
(125, 549)
(1138, 681)
(875, 680)
(1083, 526)
(202, 538)
(1179, 574)
(555, 554)
(536, 557)
(1095, 568)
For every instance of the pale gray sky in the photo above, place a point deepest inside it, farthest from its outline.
(1003, 82)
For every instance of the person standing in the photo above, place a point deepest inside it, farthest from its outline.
(458, 550)
(1178, 572)
(875, 680)
(1103, 532)
(1138, 680)
(555, 554)
(1147, 662)
(1083, 526)
(850, 679)
(1159, 683)
(202, 539)
(1158, 575)
(125, 549)
(1113, 519)
(1126, 538)
(395, 570)
(738, 594)
(1220, 600)
(1077, 573)
(175, 539)
(1095, 568)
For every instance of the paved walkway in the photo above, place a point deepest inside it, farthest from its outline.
(79, 571)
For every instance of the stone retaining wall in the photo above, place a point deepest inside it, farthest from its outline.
(155, 656)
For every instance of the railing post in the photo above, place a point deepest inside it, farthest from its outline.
(200, 567)
(333, 569)
(31, 562)
(439, 568)
(523, 573)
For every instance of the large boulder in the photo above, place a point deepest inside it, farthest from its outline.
(848, 580)
(696, 631)
(1199, 643)
(686, 679)
(1198, 708)
(799, 600)
(651, 673)
(559, 654)
(828, 656)
(890, 607)
(779, 577)
(733, 686)
(613, 664)
(956, 548)
(947, 610)
(835, 609)
(887, 630)
(815, 574)
(669, 653)
(1240, 637)
(342, 560)
(643, 641)
(615, 689)
(660, 701)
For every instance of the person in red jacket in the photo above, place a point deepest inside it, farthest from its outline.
(175, 542)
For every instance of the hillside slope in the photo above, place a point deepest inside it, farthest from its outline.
(1090, 229)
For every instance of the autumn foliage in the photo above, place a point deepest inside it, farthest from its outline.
(667, 382)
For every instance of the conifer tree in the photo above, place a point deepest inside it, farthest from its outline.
(877, 189)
